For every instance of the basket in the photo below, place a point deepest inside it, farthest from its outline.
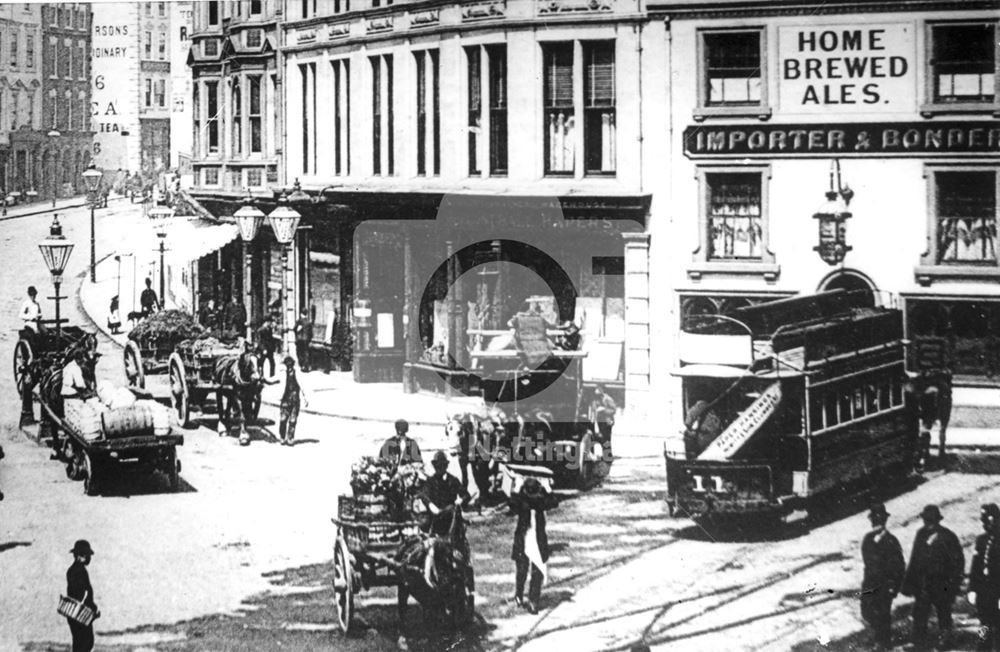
(75, 610)
(378, 534)
(369, 507)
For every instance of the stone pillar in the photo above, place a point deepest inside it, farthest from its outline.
(411, 317)
(637, 327)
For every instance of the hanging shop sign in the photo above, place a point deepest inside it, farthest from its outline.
(843, 139)
(847, 68)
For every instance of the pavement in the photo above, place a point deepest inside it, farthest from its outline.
(43, 207)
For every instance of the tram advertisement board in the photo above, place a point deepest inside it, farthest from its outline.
(746, 424)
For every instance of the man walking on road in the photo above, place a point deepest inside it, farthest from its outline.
(289, 407)
(984, 578)
(934, 575)
(884, 567)
(78, 587)
(531, 542)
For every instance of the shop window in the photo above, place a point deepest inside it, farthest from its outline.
(968, 330)
(341, 116)
(963, 215)
(560, 113)
(733, 225)
(254, 177)
(599, 107)
(211, 176)
(731, 76)
(962, 66)
(428, 113)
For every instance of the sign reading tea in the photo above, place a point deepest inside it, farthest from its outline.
(847, 68)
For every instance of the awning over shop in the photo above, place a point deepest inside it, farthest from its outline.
(189, 240)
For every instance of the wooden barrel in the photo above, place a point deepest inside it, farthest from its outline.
(134, 421)
(160, 416)
(84, 417)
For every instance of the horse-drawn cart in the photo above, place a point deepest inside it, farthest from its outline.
(201, 367)
(379, 541)
(96, 440)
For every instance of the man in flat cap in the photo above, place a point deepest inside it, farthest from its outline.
(884, 567)
(78, 587)
(934, 575)
(984, 578)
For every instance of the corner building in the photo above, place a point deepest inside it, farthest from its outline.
(462, 158)
(904, 97)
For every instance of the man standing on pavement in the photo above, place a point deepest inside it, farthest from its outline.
(148, 301)
(401, 449)
(603, 411)
(934, 575)
(984, 578)
(266, 343)
(78, 587)
(884, 567)
(303, 336)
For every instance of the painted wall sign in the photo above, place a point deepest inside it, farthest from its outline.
(113, 102)
(849, 68)
(843, 139)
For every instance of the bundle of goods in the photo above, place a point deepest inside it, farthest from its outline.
(206, 347)
(167, 327)
(382, 492)
(115, 414)
(514, 476)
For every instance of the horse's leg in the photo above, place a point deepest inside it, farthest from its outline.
(402, 597)
(222, 410)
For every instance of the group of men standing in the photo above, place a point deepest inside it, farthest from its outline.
(933, 577)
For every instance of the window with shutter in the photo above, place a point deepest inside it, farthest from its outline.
(599, 107)
(474, 67)
(560, 119)
(963, 63)
(497, 55)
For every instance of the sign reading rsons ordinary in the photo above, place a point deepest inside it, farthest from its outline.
(847, 68)
(844, 139)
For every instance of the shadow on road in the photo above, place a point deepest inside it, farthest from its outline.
(10, 545)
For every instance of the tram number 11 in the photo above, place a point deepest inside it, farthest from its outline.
(699, 483)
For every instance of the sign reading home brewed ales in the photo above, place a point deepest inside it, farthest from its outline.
(846, 68)
(843, 139)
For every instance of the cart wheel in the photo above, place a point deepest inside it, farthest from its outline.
(179, 398)
(22, 361)
(343, 585)
(134, 371)
(91, 485)
(74, 461)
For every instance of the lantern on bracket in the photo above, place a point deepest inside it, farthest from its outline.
(832, 217)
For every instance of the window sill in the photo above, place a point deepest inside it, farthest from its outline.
(927, 274)
(760, 112)
(768, 271)
(931, 110)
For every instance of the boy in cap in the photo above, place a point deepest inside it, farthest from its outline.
(984, 578)
(934, 575)
(78, 587)
(530, 551)
(289, 407)
(401, 449)
(884, 567)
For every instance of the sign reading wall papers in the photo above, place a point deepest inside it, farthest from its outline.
(847, 68)
(742, 429)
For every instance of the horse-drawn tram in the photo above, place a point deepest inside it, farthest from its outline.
(788, 401)
(104, 428)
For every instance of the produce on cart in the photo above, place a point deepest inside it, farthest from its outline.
(153, 340)
(380, 541)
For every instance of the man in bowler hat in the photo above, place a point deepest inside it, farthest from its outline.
(984, 578)
(884, 567)
(934, 575)
(78, 587)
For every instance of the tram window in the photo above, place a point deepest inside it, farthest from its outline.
(830, 409)
(871, 399)
(816, 411)
(859, 403)
(897, 392)
(845, 406)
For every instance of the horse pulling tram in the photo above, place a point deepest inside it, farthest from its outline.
(789, 401)
(370, 551)
(94, 447)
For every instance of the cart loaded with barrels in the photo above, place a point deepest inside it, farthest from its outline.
(198, 365)
(380, 541)
(104, 430)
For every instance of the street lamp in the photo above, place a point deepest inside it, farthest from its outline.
(159, 217)
(284, 220)
(248, 219)
(92, 177)
(55, 251)
(832, 217)
(52, 136)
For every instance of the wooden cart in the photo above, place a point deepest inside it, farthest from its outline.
(365, 555)
(192, 372)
